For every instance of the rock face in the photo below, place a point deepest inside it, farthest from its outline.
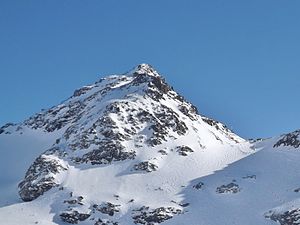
(291, 217)
(40, 177)
(291, 139)
(3, 129)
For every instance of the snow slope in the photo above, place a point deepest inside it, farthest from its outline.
(130, 150)
(265, 180)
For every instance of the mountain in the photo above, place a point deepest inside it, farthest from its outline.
(129, 149)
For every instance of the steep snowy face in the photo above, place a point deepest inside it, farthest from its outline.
(133, 136)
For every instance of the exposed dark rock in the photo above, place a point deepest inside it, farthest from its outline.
(220, 127)
(81, 91)
(163, 121)
(50, 122)
(184, 205)
(199, 185)
(159, 135)
(90, 135)
(75, 201)
(232, 188)
(251, 140)
(158, 88)
(163, 152)
(291, 139)
(184, 150)
(170, 119)
(191, 111)
(108, 152)
(107, 208)
(105, 222)
(116, 197)
(250, 177)
(105, 136)
(211, 122)
(158, 189)
(146, 166)
(3, 128)
(147, 216)
(39, 177)
(141, 78)
(291, 217)
(71, 201)
(73, 217)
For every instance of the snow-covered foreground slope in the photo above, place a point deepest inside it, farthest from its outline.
(130, 150)
(253, 190)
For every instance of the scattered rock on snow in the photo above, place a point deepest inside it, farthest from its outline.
(232, 188)
(250, 177)
(184, 150)
(147, 216)
(107, 208)
(146, 166)
(105, 222)
(3, 128)
(73, 216)
(74, 201)
(291, 139)
(199, 185)
(291, 217)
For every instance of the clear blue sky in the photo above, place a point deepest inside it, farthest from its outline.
(237, 60)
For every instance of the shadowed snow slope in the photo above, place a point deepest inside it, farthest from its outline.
(128, 149)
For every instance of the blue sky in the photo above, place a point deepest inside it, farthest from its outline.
(236, 60)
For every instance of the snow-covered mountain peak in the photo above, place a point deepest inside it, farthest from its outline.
(145, 69)
(125, 147)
